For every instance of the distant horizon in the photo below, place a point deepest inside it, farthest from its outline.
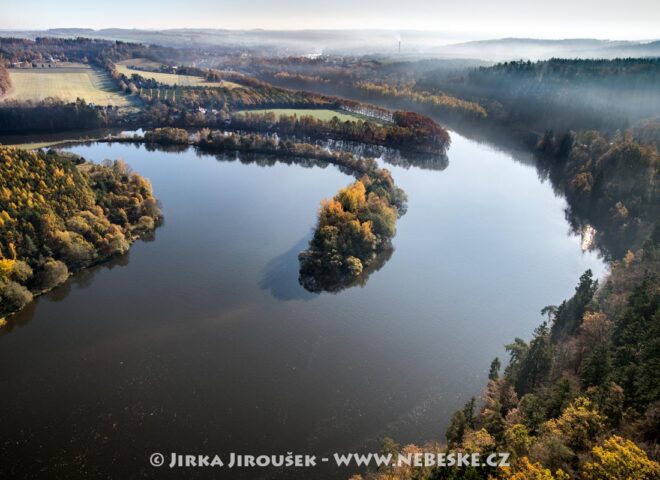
(474, 19)
(466, 37)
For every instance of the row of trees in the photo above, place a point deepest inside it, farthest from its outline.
(409, 131)
(57, 216)
(53, 115)
(254, 93)
(439, 101)
(269, 144)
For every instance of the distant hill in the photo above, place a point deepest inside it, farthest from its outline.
(536, 49)
(414, 44)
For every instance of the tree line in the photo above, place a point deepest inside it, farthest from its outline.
(53, 115)
(5, 81)
(82, 50)
(409, 131)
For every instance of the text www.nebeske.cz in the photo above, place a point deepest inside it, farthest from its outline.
(289, 460)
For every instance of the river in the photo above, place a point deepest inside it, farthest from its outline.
(201, 341)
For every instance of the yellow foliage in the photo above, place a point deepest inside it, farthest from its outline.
(332, 207)
(72, 226)
(478, 441)
(6, 266)
(518, 438)
(367, 231)
(523, 469)
(578, 424)
(352, 197)
(620, 459)
(595, 328)
(434, 99)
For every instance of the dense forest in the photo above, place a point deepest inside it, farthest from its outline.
(558, 94)
(58, 216)
(610, 182)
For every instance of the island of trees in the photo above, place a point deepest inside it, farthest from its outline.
(59, 215)
(353, 228)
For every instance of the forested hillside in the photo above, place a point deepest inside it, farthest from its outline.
(83, 50)
(610, 182)
(559, 94)
(57, 217)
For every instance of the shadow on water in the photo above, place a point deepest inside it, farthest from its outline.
(80, 280)
(281, 274)
(283, 279)
(317, 282)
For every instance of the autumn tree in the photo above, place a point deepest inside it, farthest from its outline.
(619, 459)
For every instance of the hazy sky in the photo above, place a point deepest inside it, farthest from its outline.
(614, 19)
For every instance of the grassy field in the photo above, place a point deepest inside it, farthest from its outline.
(141, 63)
(167, 78)
(67, 83)
(321, 114)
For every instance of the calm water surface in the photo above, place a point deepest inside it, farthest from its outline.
(202, 341)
